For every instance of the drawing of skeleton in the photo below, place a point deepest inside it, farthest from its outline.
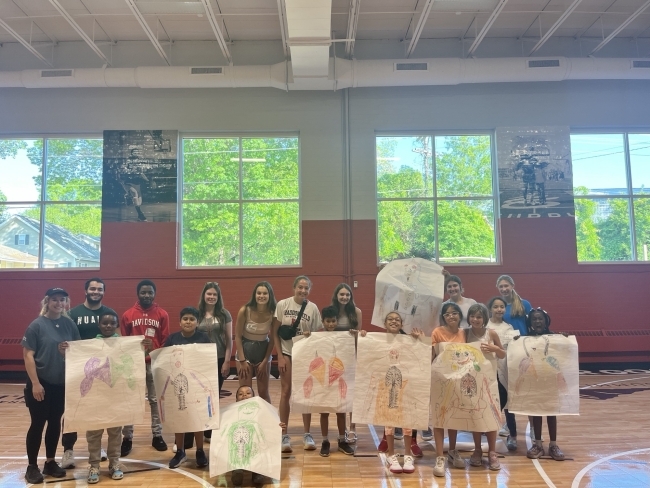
(245, 438)
(464, 393)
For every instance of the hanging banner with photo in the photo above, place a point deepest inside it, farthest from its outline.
(535, 173)
(140, 176)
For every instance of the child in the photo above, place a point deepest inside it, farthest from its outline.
(477, 316)
(393, 325)
(108, 323)
(188, 335)
(539, 323)
(330, 323)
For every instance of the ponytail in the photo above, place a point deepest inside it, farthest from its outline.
(517, 307)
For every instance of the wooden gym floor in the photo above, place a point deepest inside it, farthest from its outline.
(609, 443)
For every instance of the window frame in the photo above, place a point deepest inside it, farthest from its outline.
(42, 203)
(240, 201)
(434, 195)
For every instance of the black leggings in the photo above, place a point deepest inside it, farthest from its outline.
(510, 417)
(49, 410)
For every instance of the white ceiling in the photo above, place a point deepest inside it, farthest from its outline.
(107, 22)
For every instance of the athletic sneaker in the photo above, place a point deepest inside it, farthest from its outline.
(260, 479)
(201, 459)
(439, 468)
(504, 431)
(33, 475)
(158, 443)
(52, 469)
(556, 453)
(308, 443)
(511, 443)
(127, 447)
(476, 459)
(116, 471)
(383, 445)
(325, 448)
(493, 461)
(427, 435)
(393, 464)
(177, 460)
(415, 449)
(535, 452)
(455, 459)
(67, 460)
(286, 443)
(408, 464)
(103, 455)
(237, 477)
(351, 437)
(93, 475)
(399, 433)
(345, 448)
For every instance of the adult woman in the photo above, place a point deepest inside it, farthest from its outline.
(454, 288)
(44, 345)
(252, 341)
(286, 312)
(349, 319)
(516, 307)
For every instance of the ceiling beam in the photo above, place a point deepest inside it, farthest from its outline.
(147, 30)
(629, 20)
(21, 40)
(493, 16)
(555, 26)
(217, 30)
(353, 21)
(79, 30)
(282, 14)
(424, 15)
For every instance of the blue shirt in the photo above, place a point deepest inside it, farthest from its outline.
(519, 322)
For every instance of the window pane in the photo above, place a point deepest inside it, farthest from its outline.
(603, 229)
(404, 167)
(599, 164)
(74, 169)
(270, 168)
(271, 234)
(642, 227)
(640, 162)
(210, 234)
(72, 235)
(405, 228)
(21, 162)
(466, 231)
(463, 166)
(211, 169)
(19, 236)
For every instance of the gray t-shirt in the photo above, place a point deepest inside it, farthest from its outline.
(43, 337)
(216, 331)
(286, 312)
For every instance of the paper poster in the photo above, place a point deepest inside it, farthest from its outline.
(392, 381)
(464, 389)
(322, 369)
(535, 172)
(187, 387)
(506, 335)
(104, 383)
(249, 438)
(412, 287)
(543, 375)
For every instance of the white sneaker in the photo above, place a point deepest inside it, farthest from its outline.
(103, 455)
(308, 442)
(286, 443)
(175, 448)
(393, 464)
(456, 460)
(408, 464)
(504, 431)
(439, 468)
(67, 461)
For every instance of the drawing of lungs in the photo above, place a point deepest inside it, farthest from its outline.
(308, 386)
(181, 387)
(123, 368)
(343, 388)
(336, 370)
(92, 370)
(317, 369)
(394, 382)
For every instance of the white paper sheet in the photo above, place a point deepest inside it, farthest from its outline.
(464, 391)
(392, 381)
(249, 438)
(105, 383)
(322, 370)
(187, 387)
(543, 375)
(412, 287)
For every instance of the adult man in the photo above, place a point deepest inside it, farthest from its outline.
(148, 319)
(86, 318)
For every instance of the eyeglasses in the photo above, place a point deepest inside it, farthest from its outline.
(450, 314)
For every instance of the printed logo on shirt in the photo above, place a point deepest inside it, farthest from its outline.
(88, 319)
(152, 322)
(294, 313)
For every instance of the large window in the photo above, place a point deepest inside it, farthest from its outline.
(611, 175)
(50, 202)
(436, 198)
(240, 201)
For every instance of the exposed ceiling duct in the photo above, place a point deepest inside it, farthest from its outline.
(341, 74)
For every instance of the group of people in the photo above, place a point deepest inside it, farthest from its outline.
(260, 327)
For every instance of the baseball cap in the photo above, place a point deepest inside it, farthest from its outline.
(54, 291)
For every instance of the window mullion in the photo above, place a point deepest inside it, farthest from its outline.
(41, 234)
(434, 190)
(241, 203)
(630, 193)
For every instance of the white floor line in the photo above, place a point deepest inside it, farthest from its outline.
(585, 470)
(382, 456)
(617, 381)
(536, 462)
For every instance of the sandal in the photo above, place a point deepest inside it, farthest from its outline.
(476, 458)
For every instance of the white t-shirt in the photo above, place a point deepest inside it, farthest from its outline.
(286, 312)
(464, 306)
